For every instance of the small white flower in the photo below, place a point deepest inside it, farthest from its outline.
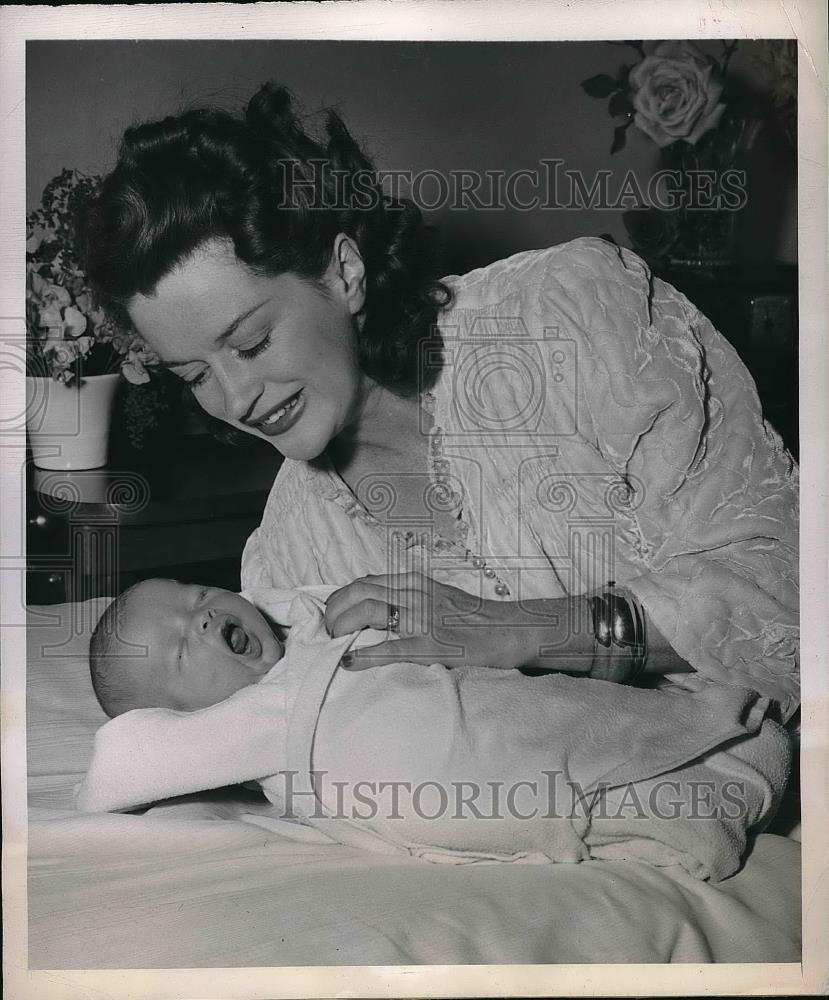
(84, 345)
(61, 353)
(74, 322)
(52, 318)
(84, 303)
(134, 372)
(56, 294)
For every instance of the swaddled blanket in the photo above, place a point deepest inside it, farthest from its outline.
(463, 765)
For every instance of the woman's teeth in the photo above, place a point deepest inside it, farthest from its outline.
(278, 414)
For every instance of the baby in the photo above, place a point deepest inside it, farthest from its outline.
(164, 644)
(207, 696)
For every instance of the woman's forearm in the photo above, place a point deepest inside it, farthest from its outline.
(546, 634)
(558, 634)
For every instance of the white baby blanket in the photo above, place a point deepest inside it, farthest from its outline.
(463, 765)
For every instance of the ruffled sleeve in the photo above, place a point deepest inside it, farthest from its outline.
(269, 558)
(256, 572)
(670, 406)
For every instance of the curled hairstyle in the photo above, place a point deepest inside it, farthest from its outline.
(281, 197)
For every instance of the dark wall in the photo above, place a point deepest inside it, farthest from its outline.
(437, 106)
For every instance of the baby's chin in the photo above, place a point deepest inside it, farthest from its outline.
(278, 652)
(272, 648)
(268, 633)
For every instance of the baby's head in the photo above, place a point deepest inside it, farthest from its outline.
(164, 644)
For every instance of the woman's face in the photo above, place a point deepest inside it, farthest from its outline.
(274, 356)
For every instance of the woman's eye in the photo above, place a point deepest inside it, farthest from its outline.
(199, 380)
(193, 378)
(247, 353)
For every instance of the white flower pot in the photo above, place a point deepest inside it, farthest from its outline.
(68, 426)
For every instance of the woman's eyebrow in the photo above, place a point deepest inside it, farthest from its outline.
(228, 331)
(231, 328)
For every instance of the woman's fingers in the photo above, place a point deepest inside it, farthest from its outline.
(400, 591)
(397, 581)
(421, 650)
(346, 598)
(371, 612)
(426, 611)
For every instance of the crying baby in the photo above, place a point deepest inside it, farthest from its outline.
(211, 693)
(194, 647)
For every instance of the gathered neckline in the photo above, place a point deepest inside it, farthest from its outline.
(330, 485)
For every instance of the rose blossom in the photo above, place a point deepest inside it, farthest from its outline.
(676, 93)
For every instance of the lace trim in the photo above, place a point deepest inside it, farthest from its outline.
(330, 486)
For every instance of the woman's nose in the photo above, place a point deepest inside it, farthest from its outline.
(240, 391)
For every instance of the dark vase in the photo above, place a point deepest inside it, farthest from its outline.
(702, 192)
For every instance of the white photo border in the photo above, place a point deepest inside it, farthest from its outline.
(493, 20)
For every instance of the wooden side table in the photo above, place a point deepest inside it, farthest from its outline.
(93, 533)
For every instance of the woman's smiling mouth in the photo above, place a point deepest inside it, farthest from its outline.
(283, 416)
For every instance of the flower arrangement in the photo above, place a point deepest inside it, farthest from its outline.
(683, 101)
(68, 335)
(672, 94)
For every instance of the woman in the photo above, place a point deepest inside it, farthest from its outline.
(552, 462)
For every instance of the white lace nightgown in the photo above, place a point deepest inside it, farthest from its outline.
(589, 425)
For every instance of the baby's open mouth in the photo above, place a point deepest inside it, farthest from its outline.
(236, 638)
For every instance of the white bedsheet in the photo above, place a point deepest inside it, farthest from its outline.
(201, 882)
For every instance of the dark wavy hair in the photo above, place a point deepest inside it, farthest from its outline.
(261, 181)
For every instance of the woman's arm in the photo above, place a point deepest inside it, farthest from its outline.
(711, 536)
(539, 639)
(439, 623)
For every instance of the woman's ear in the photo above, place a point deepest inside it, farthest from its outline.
(349, 273)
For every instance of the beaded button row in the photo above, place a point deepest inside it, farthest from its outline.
(440, 465)
(501, 589)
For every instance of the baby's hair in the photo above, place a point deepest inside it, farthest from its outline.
(106, 651)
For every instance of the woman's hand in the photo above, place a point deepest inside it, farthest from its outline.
(442, 624)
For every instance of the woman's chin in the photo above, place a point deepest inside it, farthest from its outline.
(301, 443)
(300, 447)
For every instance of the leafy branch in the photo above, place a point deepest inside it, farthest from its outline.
(620, 104)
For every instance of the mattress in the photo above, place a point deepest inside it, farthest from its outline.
(215, 881)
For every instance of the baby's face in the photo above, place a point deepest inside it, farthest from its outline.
(203, 644)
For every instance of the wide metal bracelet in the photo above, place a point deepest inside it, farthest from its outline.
(619, 620)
